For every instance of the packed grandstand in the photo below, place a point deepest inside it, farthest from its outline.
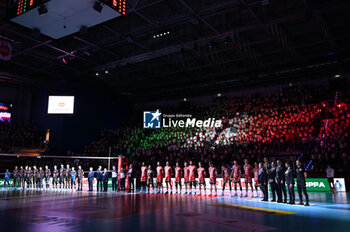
(311, 122)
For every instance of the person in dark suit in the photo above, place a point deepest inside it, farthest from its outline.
(280, 180)
(99, 178)
(114, 179)
(91, 179)
(272, 180)
(263, 180)
(267, 166)
(290, 182)
(301, 183)
(105, 180)
(131, 175)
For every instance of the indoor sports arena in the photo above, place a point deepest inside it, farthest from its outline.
(174, 115)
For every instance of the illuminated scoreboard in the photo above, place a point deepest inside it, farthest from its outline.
(23, 6)
(119, 5)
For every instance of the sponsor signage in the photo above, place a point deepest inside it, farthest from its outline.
(312, 184)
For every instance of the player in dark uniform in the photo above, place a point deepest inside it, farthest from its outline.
(67, 177)
(80, 178)
(41, 175)
(225, 173)
(272, 180)
(301, 183)
(21, 177)
(61, 177)
(263, 181)
(47, 177)
(15, 177)
(55, 174)
(35, 177)
(26, 177)
(280, 180)
(290, 182)
(30, 177)
(150, 180)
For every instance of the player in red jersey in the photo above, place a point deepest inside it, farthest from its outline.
(178, 176)
(212, 178)
(256, 177)
(225, 173)
(186, 176)
(236, 175)
(168, 173)
(201, 180)
(143, 176)
(248, 171)
(192, 177)
(160, 175)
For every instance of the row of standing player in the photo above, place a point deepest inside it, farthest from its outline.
(189, 173)
(66, 178)
(275, 174)
(29, 177)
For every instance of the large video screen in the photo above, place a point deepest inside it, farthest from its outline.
(61, 105)
(5, 112)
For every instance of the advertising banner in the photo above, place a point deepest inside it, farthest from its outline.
(312, 184)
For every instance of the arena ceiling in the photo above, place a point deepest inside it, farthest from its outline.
(167, 48)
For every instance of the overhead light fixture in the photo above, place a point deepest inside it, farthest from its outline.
(97, 74)
(336, 76)
(106, 72)
(185, 99)
(219, 94)
(42, 10)
(161, 34)
(98, 6)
